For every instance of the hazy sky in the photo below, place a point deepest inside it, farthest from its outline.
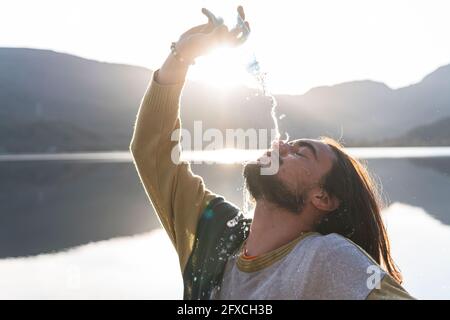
(300, 44)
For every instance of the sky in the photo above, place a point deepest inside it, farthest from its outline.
(300, 44)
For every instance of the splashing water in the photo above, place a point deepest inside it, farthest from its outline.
(233, 222)
(251, 64)
(253, 67)
(255, 70)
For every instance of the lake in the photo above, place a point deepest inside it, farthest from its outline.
(80, 225)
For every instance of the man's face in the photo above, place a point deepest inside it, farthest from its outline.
(302, 164)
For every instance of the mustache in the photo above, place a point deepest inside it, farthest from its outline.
(274, 153)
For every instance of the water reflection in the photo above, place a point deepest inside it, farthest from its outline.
(421, 248)
(423, 183)
(51, 206)
(47, 206)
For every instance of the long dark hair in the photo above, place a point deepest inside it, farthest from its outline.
(358, 216)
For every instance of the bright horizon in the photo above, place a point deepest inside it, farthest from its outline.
(300, 45)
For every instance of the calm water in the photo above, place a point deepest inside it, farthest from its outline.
(52, 203)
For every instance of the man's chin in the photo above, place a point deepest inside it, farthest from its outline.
(252, 177)
(270, 188)
(251, 169)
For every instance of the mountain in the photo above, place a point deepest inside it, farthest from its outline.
(434, 134)
(371, 111)
(51, 101)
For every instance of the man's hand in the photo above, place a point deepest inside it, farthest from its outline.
(200, 40)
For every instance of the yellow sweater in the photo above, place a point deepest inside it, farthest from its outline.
(171, 188)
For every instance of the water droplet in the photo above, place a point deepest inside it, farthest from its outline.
(254, 68)
(233, 222)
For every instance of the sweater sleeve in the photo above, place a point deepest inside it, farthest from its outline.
(178, 196)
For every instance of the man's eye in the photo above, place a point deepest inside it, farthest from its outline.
(300, 154)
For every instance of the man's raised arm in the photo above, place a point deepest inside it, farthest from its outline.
(178, 196)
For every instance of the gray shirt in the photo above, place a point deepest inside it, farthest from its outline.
(318, 267)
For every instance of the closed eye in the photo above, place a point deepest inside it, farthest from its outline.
(301, 155)
(309, 147)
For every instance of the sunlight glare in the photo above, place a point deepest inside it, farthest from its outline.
(223, 68)
(222, 156)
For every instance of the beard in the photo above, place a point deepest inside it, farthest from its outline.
(271, 189)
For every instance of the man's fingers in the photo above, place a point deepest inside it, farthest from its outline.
(213, 22)
(246, 32)
(208, 14)
(216, 21)
(234, 42)
(239, 34)
(244, 28)
(242, 24)
(241, 12)
(238, 28)
(235, 32)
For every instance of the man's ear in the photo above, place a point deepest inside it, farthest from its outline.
(324, 201)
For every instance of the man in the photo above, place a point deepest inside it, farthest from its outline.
(317, 232)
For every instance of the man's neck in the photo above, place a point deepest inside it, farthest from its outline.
(273, 227)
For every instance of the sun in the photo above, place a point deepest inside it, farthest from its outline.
(223, 68)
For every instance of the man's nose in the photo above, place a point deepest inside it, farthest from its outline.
(283, 148)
